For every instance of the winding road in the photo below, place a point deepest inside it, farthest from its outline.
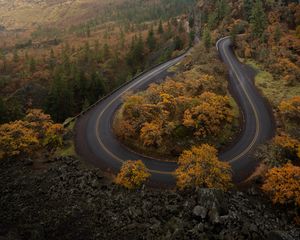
(95, 141)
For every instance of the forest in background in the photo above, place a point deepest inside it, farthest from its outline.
(65, 69)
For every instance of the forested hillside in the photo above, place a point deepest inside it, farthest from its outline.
(65, 66)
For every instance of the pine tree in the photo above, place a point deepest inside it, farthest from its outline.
(106, 51)
(32, 65)
(151, 41)
(88, 31)
(2, 110)
(96, 87)
(222, 9)
(258, 19)
(206, 38)
(160, 29)
(52, 60)
(178, 43)
(3, 59)
(248, 5)
(16, 56)
(277, 34)
(60, 98)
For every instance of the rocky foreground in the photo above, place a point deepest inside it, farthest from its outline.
(65, 200)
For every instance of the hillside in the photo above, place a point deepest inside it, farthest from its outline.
(26, 14)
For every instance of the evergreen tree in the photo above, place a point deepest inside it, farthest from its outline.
(212, 20)
(258, 19)
(3, 59)
(222, 9)
(181, 27)
(122, 39)
(277, 34)
(80, 88)
(135, 56)
(96, 88)
(106, 52)
(88, 31)
(191, 21)
(206, 38)
(192, 38)
(178, 43)
(151, 41)
(87, 53)
(16, 56)
(32, 65)
(160, 29)
(52, 60)
(248, 5)
(2, 111)
(60, 98)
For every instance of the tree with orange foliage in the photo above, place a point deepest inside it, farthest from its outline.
(290, 108)
(53, 136)
(132, 174)
(200, 167)
(151, 134)
(26, 136)
(39, 121)
(283, 184)
(287, 142)
(208, 117)
(17, 138)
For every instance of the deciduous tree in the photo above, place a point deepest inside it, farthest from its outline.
(283, 184)
(17, 138)
(200, 167)
(132, 174)
(209, 116)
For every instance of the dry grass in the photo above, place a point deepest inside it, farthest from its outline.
(25, 14)
(274, 90)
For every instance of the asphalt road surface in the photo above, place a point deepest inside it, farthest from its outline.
(96, 143)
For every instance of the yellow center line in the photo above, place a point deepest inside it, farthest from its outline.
(257, 125)
(154, 72)
(111, 102)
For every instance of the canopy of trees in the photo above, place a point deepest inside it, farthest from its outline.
(192, 104)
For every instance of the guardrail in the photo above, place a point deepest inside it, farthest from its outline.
(70, 120)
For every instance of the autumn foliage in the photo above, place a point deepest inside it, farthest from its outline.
(34, 132)
(283, 184)
(209, 115)
(200, 167)
(290, 108)
(132, 174)
(17, 138)
(192, 104)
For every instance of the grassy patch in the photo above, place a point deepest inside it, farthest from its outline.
(274, 90)
(68, 148)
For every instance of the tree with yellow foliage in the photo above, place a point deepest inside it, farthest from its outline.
(17, 138)
(289, 144)
(132, 174)
(26, 136)
(200, 167)
(209, 116)
(53, 136)
(283, 184)
(290, 108)
(151, 134)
